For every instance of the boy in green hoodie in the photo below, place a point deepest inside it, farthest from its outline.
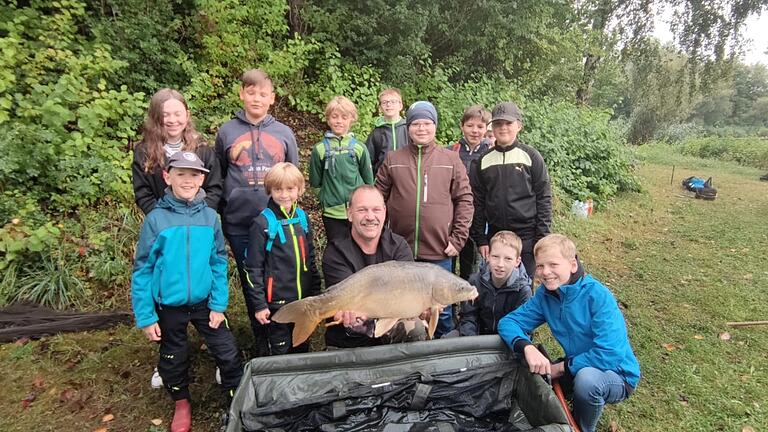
(338, 165)
(390, 132)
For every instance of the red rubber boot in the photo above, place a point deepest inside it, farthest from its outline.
(182, 417)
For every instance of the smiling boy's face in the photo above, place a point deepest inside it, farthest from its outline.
(390, 105)
(184, 182)
(553, 269)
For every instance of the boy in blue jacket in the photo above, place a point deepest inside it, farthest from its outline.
(180, 277)
(586, 321)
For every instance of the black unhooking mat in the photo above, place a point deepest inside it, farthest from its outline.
(33, 321)
(459, 384)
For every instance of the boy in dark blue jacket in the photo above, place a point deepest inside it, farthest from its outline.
(180, 277)
(502, 286)
(586, 321)
(281, 259)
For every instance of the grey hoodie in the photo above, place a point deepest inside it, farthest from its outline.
(248, 151)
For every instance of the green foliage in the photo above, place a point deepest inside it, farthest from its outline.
(744, 151)
(18, 241)
(63, 141)
(154, 38)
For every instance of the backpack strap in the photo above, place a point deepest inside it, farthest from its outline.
(274, 228)
(303, 220)
(331, 153)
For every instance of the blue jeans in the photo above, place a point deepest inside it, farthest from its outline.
(592, 389)
(445, 321)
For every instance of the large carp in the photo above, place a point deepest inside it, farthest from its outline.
(388, 291)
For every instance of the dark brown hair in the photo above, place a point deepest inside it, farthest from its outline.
(153, 133)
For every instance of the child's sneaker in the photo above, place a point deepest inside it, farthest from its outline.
(218, 376)
(156, 381)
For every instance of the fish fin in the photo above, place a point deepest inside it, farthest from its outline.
(301, 314)
(434, 314)
(303, 329)
(383, 325)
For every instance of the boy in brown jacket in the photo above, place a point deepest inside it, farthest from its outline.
(427, 193)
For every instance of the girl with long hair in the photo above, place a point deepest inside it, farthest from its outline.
(168, 128)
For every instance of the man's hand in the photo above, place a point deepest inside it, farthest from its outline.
(483, 251)
(262, 316)
(451, 251)
(537, 363)
(349, 318)
(152, 332)
(427, 314)
(215, 319)
(558, 369)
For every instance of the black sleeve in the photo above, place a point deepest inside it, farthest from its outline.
(335, 267)
(212, 185)
(142, 182)
(221, 154)
(543, 191)
(403, 251)
(468, 315)
(479, 219)
(255, 265)
(314, 288)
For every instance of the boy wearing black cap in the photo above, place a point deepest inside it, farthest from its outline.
(180, 277)
(426, 189)
(511, 187)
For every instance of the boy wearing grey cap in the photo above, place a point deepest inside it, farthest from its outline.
(180, 277)
(511, 187)
(426, 190)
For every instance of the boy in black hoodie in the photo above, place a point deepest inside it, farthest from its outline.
(281, 259)
(248, 146)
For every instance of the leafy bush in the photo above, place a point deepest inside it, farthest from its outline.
(744, 151)
(675, 133)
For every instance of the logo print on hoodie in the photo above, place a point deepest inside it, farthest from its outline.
(251, 159)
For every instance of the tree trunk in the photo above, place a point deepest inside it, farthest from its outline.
(295, 22)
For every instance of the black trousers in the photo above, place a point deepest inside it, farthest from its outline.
(278, 338)
(173, 365)
(467, 259)
(335, 228)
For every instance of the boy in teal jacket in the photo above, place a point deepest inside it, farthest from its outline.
(338, 165)
(180, 277)
(586, 321)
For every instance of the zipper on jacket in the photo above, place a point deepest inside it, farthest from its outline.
(394, 136)
(418, 204)
(296, 254)
(426, 184)
(189, 263)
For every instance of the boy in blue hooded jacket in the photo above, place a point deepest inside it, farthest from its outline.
(180, 277)
(586, 321)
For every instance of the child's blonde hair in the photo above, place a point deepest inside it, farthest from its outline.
(476, 112)
(390, 91)
(556, 241)
(284, 174)
(507, 238)
(342, 104)
(256, 78)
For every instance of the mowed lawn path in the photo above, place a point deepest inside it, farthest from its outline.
(680, 267)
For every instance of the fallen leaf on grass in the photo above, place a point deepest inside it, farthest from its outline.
(683, 399)
(67, 395)
(107, 418)
(725, 336)
(698, 337)
(156, 422)
(668, 346)
(103, 429)
(614, 426)
(21, 341)
(39, 381)
(27, 401)
(747, 429)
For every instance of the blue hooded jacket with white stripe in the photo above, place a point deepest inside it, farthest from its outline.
(180, 259)
(585, 319)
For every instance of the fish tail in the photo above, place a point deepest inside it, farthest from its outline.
(303, 315)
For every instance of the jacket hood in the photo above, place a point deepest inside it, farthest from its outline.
(169, 201)
(266, 121)
(381, 121)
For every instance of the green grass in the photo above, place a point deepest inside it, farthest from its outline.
(680, 267)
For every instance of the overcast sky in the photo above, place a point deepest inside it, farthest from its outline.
(755, 31)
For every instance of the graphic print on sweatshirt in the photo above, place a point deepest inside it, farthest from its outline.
(255, 153)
